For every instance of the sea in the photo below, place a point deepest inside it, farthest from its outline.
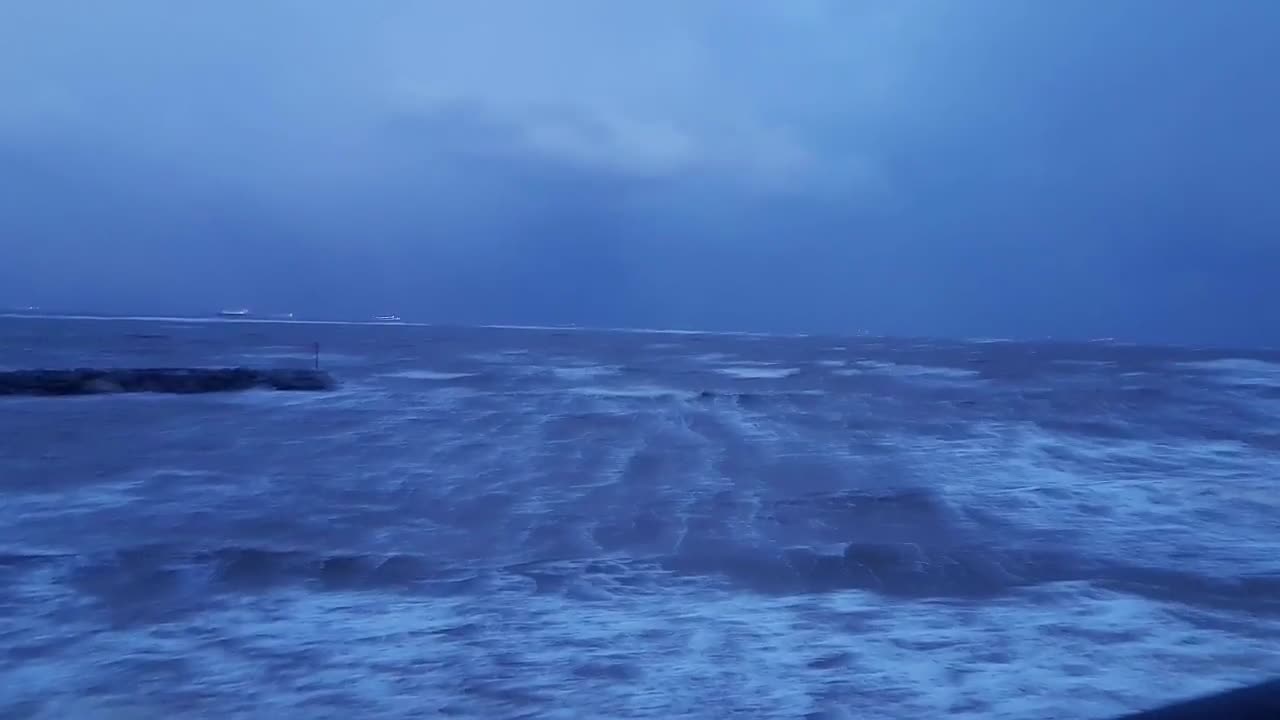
(549, 523)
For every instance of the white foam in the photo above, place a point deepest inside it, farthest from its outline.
(1158, 499)
(1241, 371)
(401, 323)
(347, 394)
(914, 372)
(303, 357)
(429, 375)
(757, 372)
(648, 392)
(845, 654)
(540, 328)
(712, 358)
(583, 372)
(750, 335)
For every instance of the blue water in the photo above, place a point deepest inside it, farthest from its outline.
(500, 523)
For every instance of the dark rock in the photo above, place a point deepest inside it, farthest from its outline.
(101, 385)
(87, 381)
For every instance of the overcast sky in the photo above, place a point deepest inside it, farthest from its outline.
(977, 168)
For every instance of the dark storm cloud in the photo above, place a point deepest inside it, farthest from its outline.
(983, 168)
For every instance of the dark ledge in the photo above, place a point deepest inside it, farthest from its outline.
(160, 380)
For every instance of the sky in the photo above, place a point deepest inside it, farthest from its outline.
(990, 168)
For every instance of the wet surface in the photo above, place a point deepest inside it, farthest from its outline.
(521, 523)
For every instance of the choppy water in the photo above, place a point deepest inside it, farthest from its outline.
(492, 523)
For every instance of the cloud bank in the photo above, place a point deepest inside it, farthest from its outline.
(923, 167)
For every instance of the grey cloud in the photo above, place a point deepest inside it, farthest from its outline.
(917, 167)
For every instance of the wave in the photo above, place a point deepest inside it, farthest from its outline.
(248, 565)
(1239, 372)
(139, 572)
(896, 569)
(757, 372)
(886, 514)
(968, 571)
(429, 375)
(22, 561)
(147, 575)
(748, 399)
(637, 392)
(579, 373)
(935, 373)
(144, 575)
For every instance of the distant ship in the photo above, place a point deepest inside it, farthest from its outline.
(387, 318)
(233, 313)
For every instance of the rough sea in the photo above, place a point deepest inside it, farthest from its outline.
(531, 523)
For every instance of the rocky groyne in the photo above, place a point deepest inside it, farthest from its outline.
(185, 381)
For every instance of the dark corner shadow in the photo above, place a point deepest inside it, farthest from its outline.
(1254, 702)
